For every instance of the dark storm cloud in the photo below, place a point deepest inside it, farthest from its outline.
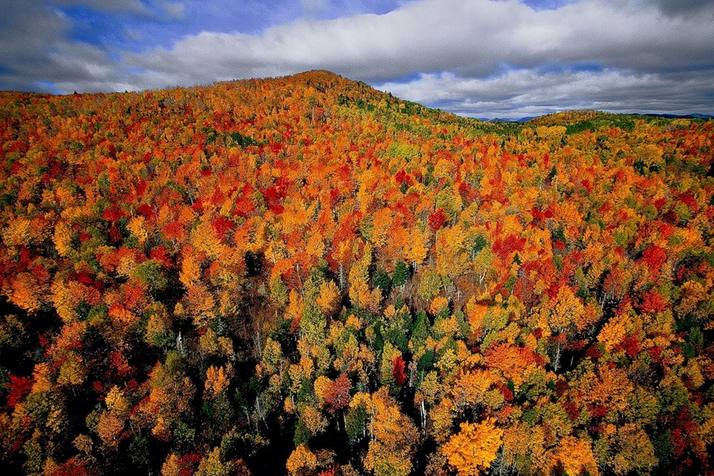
(679, 7)
(526, 92)
(34, 50)
(167, 8)
(133, 6)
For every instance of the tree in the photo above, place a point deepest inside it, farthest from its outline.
(337, 395)
(394, 437)
(474, 448)
(216, 381)
(575, 455)
(329, 297)
(360, 294)
(418, 247)
(566, 316)
(301, 461)
(111, 422)
(211, 465)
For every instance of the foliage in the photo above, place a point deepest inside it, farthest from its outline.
(306, 275)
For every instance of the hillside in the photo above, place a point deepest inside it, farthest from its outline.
(305, 275)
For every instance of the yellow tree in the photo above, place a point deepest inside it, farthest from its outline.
(394, 438)
(566, 315)
(301, 461)
(418, 246)
(329, 297)
(360, 294)
(474, 448)
(575, 455)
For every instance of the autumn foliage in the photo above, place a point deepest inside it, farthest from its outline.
(304, 275)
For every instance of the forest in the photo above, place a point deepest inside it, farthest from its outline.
(304, 275)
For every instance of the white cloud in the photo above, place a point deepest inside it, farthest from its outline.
(476, 57)
(175, 10)
(528, 92)
(475, 38)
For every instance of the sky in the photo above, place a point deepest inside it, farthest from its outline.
(481, 58)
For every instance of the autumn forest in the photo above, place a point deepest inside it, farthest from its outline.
(304, 275)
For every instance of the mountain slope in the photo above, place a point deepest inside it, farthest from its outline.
(306, 275)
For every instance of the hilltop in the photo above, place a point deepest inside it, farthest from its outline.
(305, 275)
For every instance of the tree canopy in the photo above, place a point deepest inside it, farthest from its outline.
(304, 275)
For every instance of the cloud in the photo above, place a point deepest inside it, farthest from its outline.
(475, 38)
(34, 50)
(130, 6)
(530, 92)
(474, 57)
(172, 10)
(684, 7)
(175, 10)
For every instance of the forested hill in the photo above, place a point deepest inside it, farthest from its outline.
(304, 275)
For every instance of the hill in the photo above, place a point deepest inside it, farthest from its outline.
(306, 275)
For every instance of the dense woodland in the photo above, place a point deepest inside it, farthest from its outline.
(304, 275)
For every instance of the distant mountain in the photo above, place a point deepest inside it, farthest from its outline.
(678, 116)
(524, 119)
(509, 119)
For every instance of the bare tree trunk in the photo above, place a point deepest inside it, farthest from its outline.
(258, 343)
(259, 409)
(247, 415)
(556, 360)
